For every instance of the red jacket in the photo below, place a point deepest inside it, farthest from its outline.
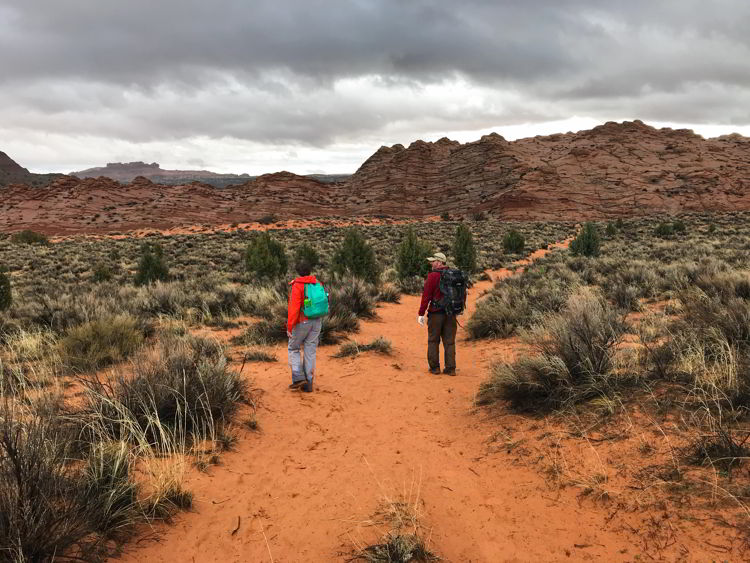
(296, 299)
(431, 292)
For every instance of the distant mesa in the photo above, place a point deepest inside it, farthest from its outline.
(127, 171)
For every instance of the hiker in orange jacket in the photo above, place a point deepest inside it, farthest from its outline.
(303, 333)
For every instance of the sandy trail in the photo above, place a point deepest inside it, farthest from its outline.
(303, 487)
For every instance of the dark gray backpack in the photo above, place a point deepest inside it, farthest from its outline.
(453, 286)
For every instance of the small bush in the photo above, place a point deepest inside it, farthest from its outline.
(6, 296)
(181, 386)
(48, 508)
(306, 253)
(575, 360)
(445, 216)
(151, 266)
(664, 230)
(29, 237)
(256, 355)
(100, 343)
(268, 219)
(464, 251)
(352, 348)
(389, 293)
(353, 295)
(587, 242)
(265, 257)
(411, 259)
(355, 257)
(479, 216)
(611, 230)
(513, 242)
(102, 273)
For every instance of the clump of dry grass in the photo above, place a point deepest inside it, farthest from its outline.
(403, 539)
(352, 348)
(574, 360)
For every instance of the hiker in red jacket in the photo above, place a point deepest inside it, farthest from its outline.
(439, 325)
(303, 333)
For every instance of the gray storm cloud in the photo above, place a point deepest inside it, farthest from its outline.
(319, 72)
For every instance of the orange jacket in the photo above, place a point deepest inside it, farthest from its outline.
(296, 299)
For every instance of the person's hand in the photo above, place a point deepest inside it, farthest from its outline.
(420, 320)
(289, 333)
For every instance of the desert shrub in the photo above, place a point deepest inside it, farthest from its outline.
(445, 216)
(151, 266)
(352, 348)
(306, 253)
(102, 273)
(513, 242)
(257, 355)
(353, 295)
(611, 230)
(48, 508)
(6, 297)
(182, 385)
(29, 237)
(587, 242)
(412, 285)
(100, 343)
(678, 226)
(355, 257)
(337, 326)
(664, 230)
(574, 361)
(389, 293)
(479, 216)
(464, 250)
(261, 301)
(268, 219)
(516, 302)
(411, 258)
(30, 361)
(266, 257)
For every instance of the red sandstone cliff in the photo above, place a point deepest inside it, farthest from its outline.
(612, 170)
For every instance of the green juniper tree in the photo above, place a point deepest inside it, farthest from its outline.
(587, 242)
(513, 242)
(306, 253)
(356, 257)
(266, 257)
(411, 259)
(151, 266)
(6, 298)
(464, 251)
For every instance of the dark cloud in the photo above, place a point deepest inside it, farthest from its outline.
(321, 72)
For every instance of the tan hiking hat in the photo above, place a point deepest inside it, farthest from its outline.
(439, 256)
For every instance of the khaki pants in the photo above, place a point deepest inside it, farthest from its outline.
(441, 326)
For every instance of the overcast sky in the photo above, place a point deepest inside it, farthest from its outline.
(317, 86)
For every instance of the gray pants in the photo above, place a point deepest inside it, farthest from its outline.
(305, 336)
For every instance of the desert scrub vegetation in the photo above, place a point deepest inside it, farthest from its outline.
(6, 297)
(573, 359)
(182, 387)
(669, 385)
(353, 348)
(266, 257)
(464, 251)
(100, 343)
(151, 267)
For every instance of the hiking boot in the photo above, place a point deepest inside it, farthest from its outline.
(297, 384)
(435, 371)
(449, 371)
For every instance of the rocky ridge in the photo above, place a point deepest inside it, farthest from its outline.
(616, 169)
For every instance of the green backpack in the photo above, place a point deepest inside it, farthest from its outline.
(316, 301)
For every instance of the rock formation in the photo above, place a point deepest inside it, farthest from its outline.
(613, 170)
